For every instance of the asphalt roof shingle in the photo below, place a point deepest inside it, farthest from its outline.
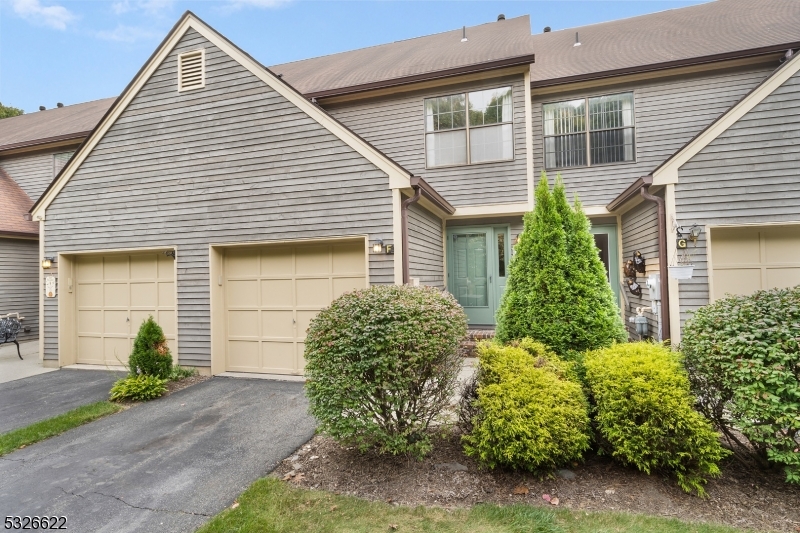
(14, 205)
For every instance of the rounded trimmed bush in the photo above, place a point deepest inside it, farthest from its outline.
(527, 415)
(150, 355)
(743, 358)
(645, 417)
(382, 364)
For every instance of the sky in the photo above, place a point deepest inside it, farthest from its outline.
(75, 51)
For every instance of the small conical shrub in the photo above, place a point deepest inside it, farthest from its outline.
(150, 355)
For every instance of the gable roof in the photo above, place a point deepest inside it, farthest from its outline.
(488, 46)
(14, 205)
(399, 177)
(714, 31)
(59, 124)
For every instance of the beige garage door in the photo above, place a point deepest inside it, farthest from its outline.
(747, 259)
(114, 295)
(273, 292)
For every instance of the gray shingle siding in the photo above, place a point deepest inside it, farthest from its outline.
(32, 172)
(425, 247)
(749, 174)
(19, 282)
(639, 232)
(234, 162)
(396, 125)
(668, 113)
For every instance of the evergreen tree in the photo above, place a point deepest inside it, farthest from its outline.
(533, 304)
(557, 291)
(7, 111)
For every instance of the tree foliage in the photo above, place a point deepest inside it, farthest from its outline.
(8, 111)
(557, 291)
(150, 355)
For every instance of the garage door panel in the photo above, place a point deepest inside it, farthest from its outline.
(277, 261)
(278, 357)
(115, 295)
(244, 355)
(166, 267)
(782, 245)
(144, 266)
(349, 259)
(166, 294)
(300, 351)
(166, 319)
(277, 324)
(732, 247)
(313, 292)
(90, 350)
(243, 293)
(736, 281)
(117, 350)
(277, 292)
(243, 324)
(311, 260)
(144, 294)
(90, 322)
(139, 316)
(90, 295)
(115, 322)
(242, 262)
(304, 319)
(783, 278)
(343, 285)
(116, 268)
(90, 269)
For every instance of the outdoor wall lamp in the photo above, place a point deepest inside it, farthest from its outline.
(47, 262)
(378, 246)
(694, 233)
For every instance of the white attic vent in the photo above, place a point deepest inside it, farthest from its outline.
(192, 70)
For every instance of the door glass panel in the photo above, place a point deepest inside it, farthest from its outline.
(601, 241)
(501, 254)
(469, 269)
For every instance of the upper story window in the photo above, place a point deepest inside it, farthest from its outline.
(466, 128)
(589, 131)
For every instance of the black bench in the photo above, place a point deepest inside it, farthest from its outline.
(10, 326)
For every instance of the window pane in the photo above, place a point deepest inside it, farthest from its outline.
(491, 143)
(612, 146)
(491, 106)
(501, 254)
(614, 111)
(565, 117)
(445, 112)
(565, 151)
(446, 148)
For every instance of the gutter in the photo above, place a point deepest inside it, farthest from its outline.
(47, 140)
(421, 188)
(644, 190)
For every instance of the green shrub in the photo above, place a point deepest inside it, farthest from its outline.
(743, 359)
(138, 388)
(179, 372)
(382, 364)
(150, 355)
(644, 413)
(557, 291)
(527, 417)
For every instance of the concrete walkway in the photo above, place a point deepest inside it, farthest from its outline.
(29, 400)
(12, 368)
(166, 465)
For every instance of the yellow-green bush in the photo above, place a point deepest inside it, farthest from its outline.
(645, 417)
(528, 415)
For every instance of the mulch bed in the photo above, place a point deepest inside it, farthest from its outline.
(742, 497)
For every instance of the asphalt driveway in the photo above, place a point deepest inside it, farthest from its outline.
(35, 398)
(167, 465)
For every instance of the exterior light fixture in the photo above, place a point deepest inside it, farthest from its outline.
(377, 247)
(47, 262)
(694, 233)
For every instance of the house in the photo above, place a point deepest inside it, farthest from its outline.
(232, 201)
(33, 148)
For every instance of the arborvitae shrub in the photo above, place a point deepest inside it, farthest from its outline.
(527, 415)
(150, 355)
(743, 358)
(557, 291)
(645, 417)
(382, 364)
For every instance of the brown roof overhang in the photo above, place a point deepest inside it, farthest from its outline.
(428, 76)
(430, 194)
(654, 67)
(629, 193)
(77, 136)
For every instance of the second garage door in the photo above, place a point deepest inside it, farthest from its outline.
(748, 259)
(272, 293)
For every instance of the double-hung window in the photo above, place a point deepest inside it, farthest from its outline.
(589, 131)
(474, 127)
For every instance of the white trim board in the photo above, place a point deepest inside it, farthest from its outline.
(668, 172)
(398, 176)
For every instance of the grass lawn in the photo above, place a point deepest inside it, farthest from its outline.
(271, 506)
(51, 427)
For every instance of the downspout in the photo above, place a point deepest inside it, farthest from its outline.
(662, 257)
(404, 228)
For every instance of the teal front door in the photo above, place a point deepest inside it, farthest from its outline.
(477, 267)
(605, 238)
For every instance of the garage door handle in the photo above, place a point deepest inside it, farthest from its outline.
(127, 319)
